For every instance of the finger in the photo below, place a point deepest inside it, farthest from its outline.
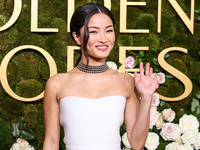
(155, 76)
(147, 69)
(151, 72)
(157, 86)
(136, 76)
(141, 70)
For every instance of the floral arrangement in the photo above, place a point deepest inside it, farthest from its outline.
(21, 136)
(183, 135)
(21, 144)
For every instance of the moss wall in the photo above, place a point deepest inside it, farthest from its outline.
(28, 70)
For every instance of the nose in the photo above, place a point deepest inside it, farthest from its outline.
(102, 38)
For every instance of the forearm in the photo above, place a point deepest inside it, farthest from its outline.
(141, 127)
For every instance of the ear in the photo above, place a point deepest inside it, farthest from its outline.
(76, 38)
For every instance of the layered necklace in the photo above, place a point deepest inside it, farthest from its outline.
(92, 69)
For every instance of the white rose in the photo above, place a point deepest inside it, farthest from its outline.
(186, 146)
(16, 146)
(159, 122)
(190, 137)
(179, 140)
(126, 148)
(160, 77)
(168, 114)
(23, 143)
(112, 65)
(172, 146)
(156, 100)
(154, 114)
(125, 140)
(152, 141)
(29, 148)
(197, 144)
(170, 132)
(188, 122)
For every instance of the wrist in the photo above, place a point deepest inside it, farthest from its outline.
(146, 96)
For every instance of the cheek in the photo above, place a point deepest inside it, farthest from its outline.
(111, 38)
(91, 39)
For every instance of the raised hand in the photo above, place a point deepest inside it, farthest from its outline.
(146, 84)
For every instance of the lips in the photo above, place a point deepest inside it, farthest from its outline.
(102, 47)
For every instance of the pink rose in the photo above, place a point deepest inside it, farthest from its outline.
(168, 114)
(154, 114)
(155, 100)
(129, 62)
(160, 77)
(170, 131)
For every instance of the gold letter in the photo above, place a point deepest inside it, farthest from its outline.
(34, 19)
(70, 56)
(71, 8)
(123, 17)
(159, 16)
(15, 15)
(179, 75)
(122, 57)
(188, 22)
(4, 64)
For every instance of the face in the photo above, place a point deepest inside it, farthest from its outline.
(101, 36)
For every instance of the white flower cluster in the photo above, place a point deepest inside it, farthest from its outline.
(21, 144)
(185, 135)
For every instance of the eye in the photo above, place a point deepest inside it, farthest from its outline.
(93, 31)
(109, 30)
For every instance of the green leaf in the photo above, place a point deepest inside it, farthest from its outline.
(194, 104)
(166, 81)
(140, 60)
(199, 53)
(162, 103)
(21, 123)
(198, 94)
(166, 55)
(16, 131)
(155, 61)
(169, 76)
(197, 10)
(141, 53)
(26, 135)
(182, 111)
(198, 110)
(198, 18)
(118, 64)
(136, 61)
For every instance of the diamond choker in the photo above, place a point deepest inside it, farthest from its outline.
(92, 69)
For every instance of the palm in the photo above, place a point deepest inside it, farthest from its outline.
(146, 84)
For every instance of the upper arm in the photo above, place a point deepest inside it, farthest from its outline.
(132, 105)
(51, 115)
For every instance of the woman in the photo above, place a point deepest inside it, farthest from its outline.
(92, 100)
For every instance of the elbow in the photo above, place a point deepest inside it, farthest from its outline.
(137, 146)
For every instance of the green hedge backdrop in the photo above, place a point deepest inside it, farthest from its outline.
(28, 70)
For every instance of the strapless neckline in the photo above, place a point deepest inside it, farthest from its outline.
(66, 97)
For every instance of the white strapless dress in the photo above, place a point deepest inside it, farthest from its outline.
(92, 124)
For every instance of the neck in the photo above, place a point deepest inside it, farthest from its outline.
(93, 62)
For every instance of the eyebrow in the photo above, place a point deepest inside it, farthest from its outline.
(98, 27)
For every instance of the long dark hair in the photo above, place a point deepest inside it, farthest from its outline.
(81, 18)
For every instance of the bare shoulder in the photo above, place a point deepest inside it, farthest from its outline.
(57, 79)
(55, 83)
(127, 78)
